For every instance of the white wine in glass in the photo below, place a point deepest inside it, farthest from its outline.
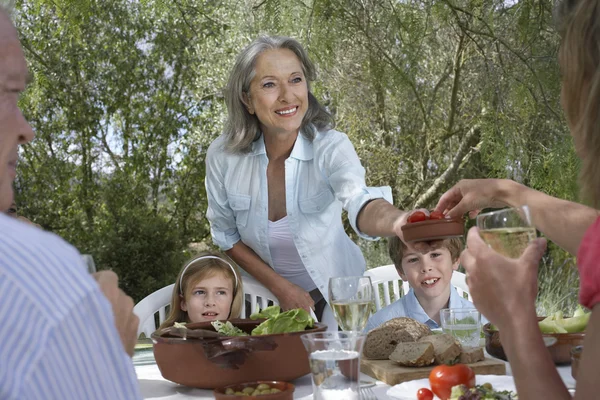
(507, 231)
(351, 298)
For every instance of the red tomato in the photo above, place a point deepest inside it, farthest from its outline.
(424, 394)
(443, 377)
(417, 216)
(436, 215)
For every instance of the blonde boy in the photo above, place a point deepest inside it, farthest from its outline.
(429, 276)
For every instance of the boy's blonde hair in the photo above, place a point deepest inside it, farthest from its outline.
(579, 26)
(199, 271)
(397, 248)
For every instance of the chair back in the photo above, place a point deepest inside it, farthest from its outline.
(388, 287)
(146, 309)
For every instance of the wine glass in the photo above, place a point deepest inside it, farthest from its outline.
(507, 231)
(352, 300)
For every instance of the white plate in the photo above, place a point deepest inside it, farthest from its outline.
(408, 390)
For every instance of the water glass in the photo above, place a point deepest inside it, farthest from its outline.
(335, 364)
(507, 231)
(352, 300)
(462, 323)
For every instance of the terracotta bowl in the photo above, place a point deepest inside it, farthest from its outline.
(559, 344)
(216, 362)
(286, 393)
(436, 229)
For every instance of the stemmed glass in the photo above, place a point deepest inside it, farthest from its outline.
(352, 300)
(507, 231)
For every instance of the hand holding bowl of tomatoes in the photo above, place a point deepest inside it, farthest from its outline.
(425, 226)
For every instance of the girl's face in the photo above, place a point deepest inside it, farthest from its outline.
(210, 299)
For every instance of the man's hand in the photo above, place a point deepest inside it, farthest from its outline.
(122, 305)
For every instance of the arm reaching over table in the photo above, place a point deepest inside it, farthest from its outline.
(562, 221)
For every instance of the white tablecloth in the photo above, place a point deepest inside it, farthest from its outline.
(154, 386)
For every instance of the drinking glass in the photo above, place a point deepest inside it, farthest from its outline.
(89, 262)
(462, 323)
(352, 300)
(335, 363)
(507, 231)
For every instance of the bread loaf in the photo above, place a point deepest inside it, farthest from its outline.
(412, 354)
(382, 341)
(471, 355)
(446, 348)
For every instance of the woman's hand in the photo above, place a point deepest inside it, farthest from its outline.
(473, 195)
(503, 289)
(292, 296)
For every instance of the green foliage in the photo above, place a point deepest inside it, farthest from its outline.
(128, 95)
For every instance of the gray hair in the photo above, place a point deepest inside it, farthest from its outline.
(241, 127)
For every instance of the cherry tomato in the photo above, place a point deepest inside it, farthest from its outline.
(424, 394)
(417, 216)
(443, 377)
(436, 215)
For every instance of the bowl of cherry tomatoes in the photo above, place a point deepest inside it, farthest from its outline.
(424, 227)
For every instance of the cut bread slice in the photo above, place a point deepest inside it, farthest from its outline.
(412, 354)
(447, 349)
(382, 341)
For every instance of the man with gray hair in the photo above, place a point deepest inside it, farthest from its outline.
(61, 338)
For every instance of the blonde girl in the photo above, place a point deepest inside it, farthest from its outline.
(208, 288)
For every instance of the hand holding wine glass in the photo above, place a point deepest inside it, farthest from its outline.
(507, 231)
(352, 300)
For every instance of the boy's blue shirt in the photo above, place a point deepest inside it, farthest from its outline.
(409, 306)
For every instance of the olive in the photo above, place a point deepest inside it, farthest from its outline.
(248, 390)
(229, 391)
(487, 386)
(263, 386)
(275, 390)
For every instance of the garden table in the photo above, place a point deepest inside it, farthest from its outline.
(154, 386)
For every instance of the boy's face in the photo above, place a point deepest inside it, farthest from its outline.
(428, 274)
(210, 299)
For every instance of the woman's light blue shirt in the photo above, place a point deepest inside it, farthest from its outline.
(321, 178)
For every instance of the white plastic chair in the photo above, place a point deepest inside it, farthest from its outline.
(156, 302)
(384, 276)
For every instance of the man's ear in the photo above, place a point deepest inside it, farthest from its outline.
(182, 304)
(247, 102)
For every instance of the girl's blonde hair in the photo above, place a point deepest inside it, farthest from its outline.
(203, 266)
(579, 26)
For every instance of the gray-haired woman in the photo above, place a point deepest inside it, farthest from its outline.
(279, 176)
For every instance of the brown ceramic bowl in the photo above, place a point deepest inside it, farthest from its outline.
(559, 344)
(287, 391)
(575, 356)
(217, 362)
(433, 229)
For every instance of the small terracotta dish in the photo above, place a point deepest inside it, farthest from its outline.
(558, 344)
(286, 391)
(209, 362)
(575, 356)
(433, 229)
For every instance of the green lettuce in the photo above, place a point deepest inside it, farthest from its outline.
(228, 329)
(281, 322)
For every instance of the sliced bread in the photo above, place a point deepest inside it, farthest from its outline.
(382, 341)
(471, 355)
(446, 347)
(412, 354)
